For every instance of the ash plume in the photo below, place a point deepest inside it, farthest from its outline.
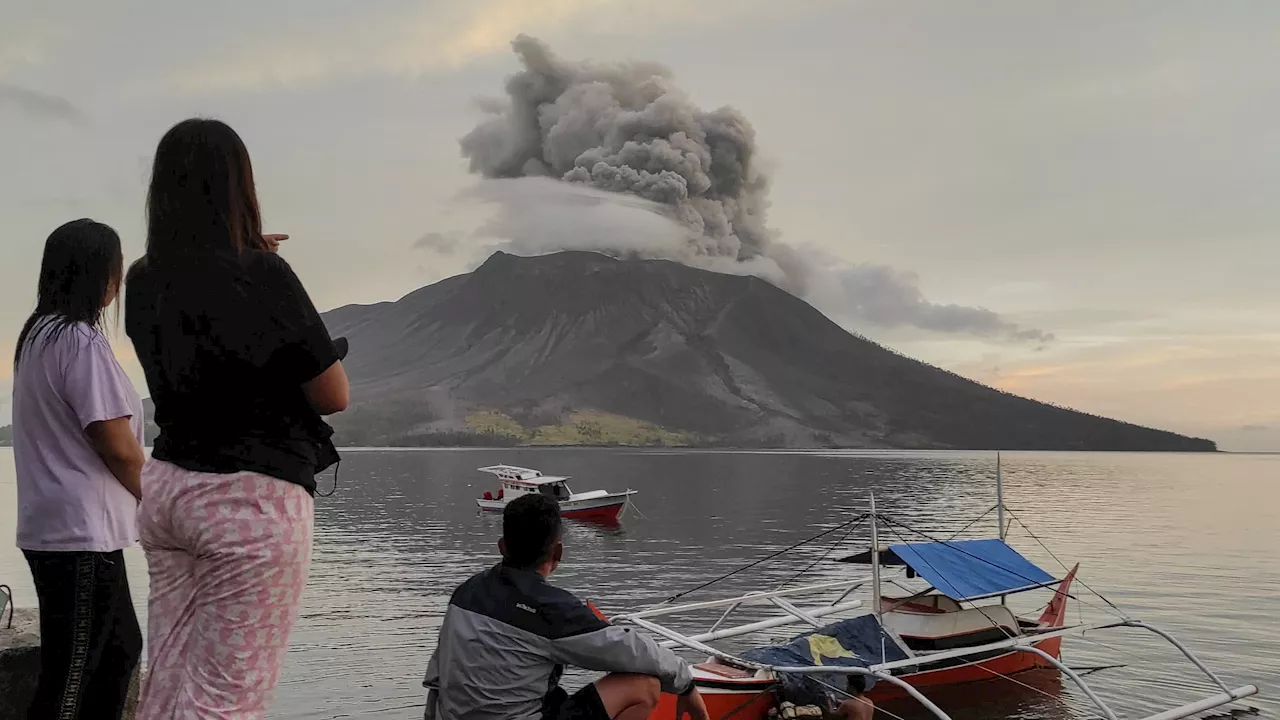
(627, 165)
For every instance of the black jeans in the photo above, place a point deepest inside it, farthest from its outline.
(90, 641)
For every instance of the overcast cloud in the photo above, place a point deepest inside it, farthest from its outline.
(1104, 173)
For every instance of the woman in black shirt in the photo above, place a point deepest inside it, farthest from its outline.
(241, 369)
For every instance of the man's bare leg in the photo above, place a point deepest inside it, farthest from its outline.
(629, 697)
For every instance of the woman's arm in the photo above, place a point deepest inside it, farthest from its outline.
(104, 402)
(118, 447)
(307, 350)
(329, 392)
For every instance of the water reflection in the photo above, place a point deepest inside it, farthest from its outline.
(1032, 695)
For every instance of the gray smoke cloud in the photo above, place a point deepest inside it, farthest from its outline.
(540, 215)
(892, 298)
(442, 243)
(614, 157)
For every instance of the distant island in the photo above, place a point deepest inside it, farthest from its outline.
(577, 348)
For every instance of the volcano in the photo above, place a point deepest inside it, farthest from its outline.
(581, 348)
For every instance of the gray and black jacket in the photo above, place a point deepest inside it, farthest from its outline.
(506, 638)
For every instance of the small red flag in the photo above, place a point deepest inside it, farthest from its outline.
(596, 610)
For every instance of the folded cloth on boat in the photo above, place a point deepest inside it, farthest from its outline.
(856, 642)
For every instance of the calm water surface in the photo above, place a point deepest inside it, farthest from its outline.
(1189, 543)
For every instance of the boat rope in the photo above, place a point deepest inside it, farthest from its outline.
(1104, 599)
(989, 620)
(1035, 537)
(1090, 669)
(892, 525)
(1079, 605)
(1033, 688)
(1150, 681)
(1007, 632)
(851, 696)
(631, 504)
(1118, 612)
(746, 704)
(825, 555)
(973, 522)
(1131, 654)
(762, 560)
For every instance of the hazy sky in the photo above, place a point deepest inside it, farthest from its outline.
(1103, 171)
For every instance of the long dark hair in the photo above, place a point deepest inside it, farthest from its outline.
(202, 198)
(81, 267)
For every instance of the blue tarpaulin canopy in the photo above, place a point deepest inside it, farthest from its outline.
(972, 569)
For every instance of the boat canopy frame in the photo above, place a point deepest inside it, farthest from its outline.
(793, 614)
(523, 476)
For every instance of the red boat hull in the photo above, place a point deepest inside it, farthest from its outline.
(603, 513)
(1009, 663)
(598, 513)
(749, 703)
(752, 705)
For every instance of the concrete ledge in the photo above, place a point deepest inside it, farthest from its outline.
(20, 665)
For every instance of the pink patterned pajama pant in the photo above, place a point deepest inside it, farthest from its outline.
(228, 558)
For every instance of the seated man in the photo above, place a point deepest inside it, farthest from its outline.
(508, 634)
(855, 706)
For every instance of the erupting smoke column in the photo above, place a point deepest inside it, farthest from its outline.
(625, 128)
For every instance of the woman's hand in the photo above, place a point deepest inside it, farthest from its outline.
(271, 242)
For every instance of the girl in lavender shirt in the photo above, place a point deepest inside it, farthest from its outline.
(77, 437)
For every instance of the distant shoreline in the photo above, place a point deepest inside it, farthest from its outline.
(5, 443)
(757, 448)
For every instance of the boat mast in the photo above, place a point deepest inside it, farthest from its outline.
(999, 497)
(875, 559)
(1004, 599)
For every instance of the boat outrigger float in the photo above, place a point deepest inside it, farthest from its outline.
(927, 637)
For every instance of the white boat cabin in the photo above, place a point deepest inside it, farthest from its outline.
(516, 481)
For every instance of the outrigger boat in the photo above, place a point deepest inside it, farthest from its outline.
(599, 505)
(927, 637)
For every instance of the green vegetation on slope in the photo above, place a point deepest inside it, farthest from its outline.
(495, 424)
(598, 428)
(579, 428)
